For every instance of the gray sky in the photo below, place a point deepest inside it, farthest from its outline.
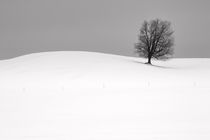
(110, 26)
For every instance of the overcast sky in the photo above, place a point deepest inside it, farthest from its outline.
(110, 26)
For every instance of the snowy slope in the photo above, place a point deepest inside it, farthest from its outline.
(95, 96)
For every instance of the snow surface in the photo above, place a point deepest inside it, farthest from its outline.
(95, 96)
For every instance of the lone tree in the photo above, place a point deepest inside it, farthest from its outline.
(155, 40)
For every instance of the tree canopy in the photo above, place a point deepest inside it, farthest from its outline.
(155, 40)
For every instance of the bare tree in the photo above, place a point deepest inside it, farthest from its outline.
(155, 40)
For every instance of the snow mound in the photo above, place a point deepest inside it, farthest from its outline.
(95, 96)
(96, 70)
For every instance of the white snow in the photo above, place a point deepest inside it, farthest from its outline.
(94, 96)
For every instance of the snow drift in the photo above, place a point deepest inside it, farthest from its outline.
(86, 95)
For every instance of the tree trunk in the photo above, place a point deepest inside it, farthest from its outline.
(149, 60)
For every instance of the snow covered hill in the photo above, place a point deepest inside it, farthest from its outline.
(94, 96)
